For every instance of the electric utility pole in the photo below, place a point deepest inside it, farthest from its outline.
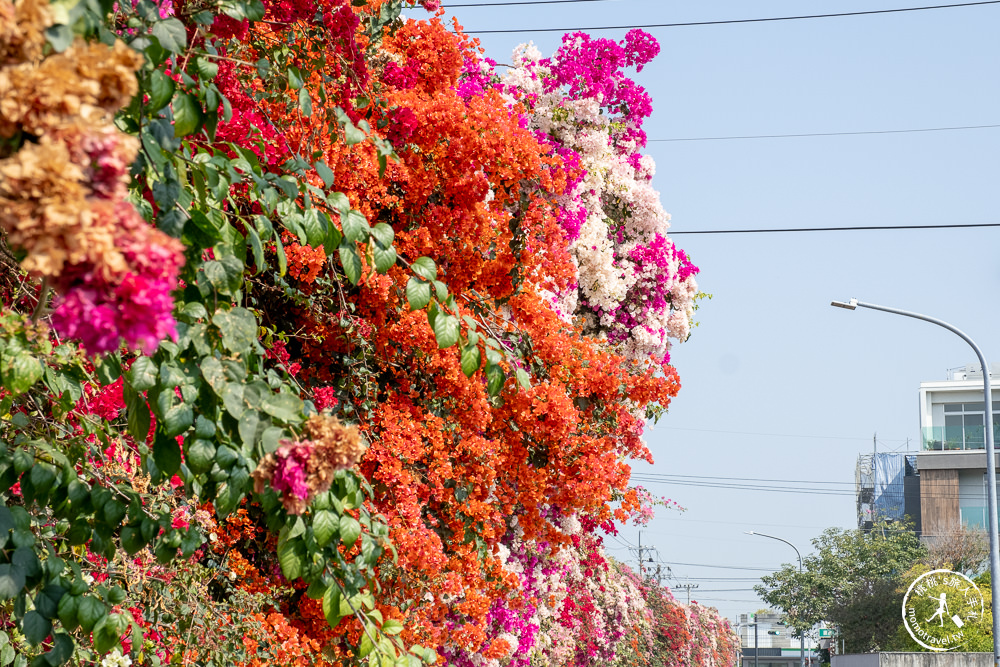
(688, 588)
(642, 561)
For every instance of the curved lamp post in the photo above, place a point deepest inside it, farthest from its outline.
(991, 475)
(802, 637)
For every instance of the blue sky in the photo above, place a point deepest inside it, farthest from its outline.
(776, 383)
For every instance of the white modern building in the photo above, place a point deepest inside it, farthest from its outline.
(952, 460)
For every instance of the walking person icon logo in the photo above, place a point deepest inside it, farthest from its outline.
(942, 608)
(930, 620)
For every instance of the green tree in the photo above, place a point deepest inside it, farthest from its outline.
(978, 632)
(852, 581)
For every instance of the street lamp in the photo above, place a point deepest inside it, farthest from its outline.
(802, 636)
(991, 475)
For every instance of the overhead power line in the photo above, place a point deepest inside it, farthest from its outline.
(646, 478)
(829, 134)
(831, 229)
(775, 435)
(736, 21)
(522, 2)
(723, 567)
(744, 479)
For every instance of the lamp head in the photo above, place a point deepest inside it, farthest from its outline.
(851, 305)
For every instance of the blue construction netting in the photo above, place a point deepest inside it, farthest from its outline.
(889, 471)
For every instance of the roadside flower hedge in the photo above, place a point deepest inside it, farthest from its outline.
(326, 340)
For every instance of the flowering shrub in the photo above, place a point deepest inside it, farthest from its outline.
(384, 424)
(633, 284)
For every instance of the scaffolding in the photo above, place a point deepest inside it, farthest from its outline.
(881, 488)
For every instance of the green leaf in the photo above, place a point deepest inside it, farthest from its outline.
(60, 37)
(305, 103)
(108, 368)
(270, 438)
(392, 627)
(35, 627)
(494, 380)
(286, 407)
(68, 608)
(62, 649)
(232, 398)
(384, 259)
(213, 234)
(425, 268)
(199, 457)
(366, 646)
(442, 290)
(131, 538)
(333, 238)
(137, 413)
(47, 601)
(294, 78)
(324, 172)
(354, 226)
(11, 581)
(290, 560)
(471, 359)
(166, 453)
(288, 186)
(418, 293)
(383, 234)
(253, 239)
(178, 419)
(89, 611)
(314, 228)
(214, 374)
(331, 605)
(446, 330)
(172, 34)
(326, 526)
(108, 632)
(352, 135)
(161, 89)
(238, 327)
(207, 69)
(351, 261)
(350, 529)
(226, 273)
(6, 523)
(26, 560)
(523, 378)
(187, 114)
(279, 250)
(248, 426)
(20, 370)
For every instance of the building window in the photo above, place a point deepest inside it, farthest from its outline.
(964, 427)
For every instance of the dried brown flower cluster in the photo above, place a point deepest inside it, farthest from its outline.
(300, 469)
(89, 83)
(22, 30)
(64, 170)
(44, 209)
(64, 105)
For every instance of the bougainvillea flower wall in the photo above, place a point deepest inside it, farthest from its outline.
(328, 341)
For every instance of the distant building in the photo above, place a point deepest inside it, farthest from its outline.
(775, 646)
(766, 624)
(952, 460)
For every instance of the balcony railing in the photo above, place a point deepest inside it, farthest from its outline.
(944, 438)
